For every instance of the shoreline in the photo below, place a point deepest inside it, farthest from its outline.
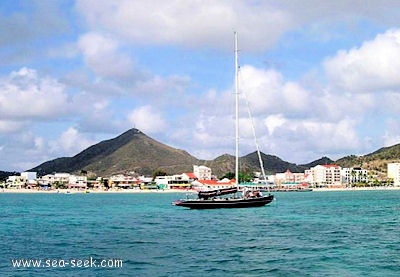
(138, 191)
(76, 191)
(355, 189)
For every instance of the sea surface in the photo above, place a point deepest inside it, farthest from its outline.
(348, 233)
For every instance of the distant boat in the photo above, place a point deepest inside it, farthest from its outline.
(213, 199)
(292, 190)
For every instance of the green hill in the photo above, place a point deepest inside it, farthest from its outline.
(134, 151)
(4, 175)
(272, 164)
(131, 151)
(376, 161)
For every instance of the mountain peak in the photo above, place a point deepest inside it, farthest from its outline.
(133, 151)
(130, 151)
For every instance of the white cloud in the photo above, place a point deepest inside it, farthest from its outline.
(263, 89)
(294, 119)
(23, 150)
(9, 126)
(163, 88)
(372, 67)
(27, 149)
(189, 23)
(303, 140)
(297, 99)
(148, 120)
(392, 132)
(68, 143)
(274, 121)
(391, 102)
(289, 119)
(104, 56)
(26, 95)
(211, 23)
(72, 142)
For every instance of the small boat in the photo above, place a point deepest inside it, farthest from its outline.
(213, 199)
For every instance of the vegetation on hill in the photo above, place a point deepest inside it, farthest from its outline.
(272, 164)
(4, 175)
(133, 151)
(376, 161)
(225, 164)
(321, 161)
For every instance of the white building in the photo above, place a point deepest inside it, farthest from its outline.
(62, 177)
(65, 178)
(325, 175)
(77, 181)
(202, 172)
(15, 182)
(26, 179)
(354, 175)
(393, 171)
(163, 180)
(174, 181)
(30, 177)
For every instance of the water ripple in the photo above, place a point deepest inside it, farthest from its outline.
(310, 234)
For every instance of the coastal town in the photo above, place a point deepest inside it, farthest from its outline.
(320, 177)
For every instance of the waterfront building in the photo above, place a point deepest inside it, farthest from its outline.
(123, 181)
(47, 179)
(77, 182)
(15, 182)
(354, 175)
(393, 172)
(289, 177)
(64, 180)
(62, 177)
(30, 177)
(325, 175)
(25, 180)
(178, 181)
(202, 172)
(189, 176)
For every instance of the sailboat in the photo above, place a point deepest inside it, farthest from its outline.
(213, 199)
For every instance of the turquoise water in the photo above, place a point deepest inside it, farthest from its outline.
(355, 233)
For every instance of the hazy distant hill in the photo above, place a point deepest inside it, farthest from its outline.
(134, 151)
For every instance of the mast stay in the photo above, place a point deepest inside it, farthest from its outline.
(237, 92)
(236, 112)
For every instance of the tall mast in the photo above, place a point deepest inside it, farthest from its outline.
(237, 112)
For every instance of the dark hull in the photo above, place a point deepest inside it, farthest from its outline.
(291, 190)
(225, 203)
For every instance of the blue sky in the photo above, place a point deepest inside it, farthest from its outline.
(321, 77)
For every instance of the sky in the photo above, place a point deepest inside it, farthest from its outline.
(321, 78)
